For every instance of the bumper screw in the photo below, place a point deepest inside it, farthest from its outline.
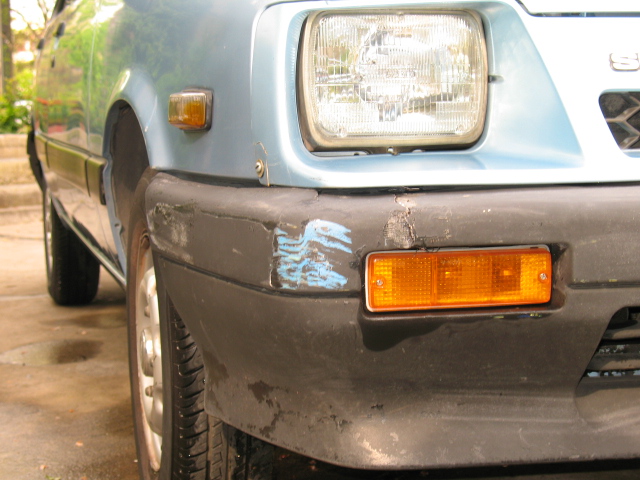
(259, 168)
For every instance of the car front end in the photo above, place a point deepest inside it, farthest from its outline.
(461, 134)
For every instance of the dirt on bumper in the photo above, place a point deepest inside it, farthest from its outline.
(269, 281)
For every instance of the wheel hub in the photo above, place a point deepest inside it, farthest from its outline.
(149, 356)
(147, 353)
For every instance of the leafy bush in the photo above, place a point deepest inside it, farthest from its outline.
(23, 81)
(15, 104)
(14, 115)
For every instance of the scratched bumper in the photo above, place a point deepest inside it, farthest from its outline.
(269, 281)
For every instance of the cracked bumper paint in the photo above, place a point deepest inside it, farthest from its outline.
(269, 281)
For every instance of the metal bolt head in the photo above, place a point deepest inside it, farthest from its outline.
(543, 277)
(259, 168)
(146, 352)
(379, 282)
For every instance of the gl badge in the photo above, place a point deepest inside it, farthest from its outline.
(625, 62)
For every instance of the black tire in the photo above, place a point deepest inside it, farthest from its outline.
(193, 445)
(72, 271)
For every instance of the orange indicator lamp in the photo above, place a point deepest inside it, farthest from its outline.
(191, 110)
(416, 280)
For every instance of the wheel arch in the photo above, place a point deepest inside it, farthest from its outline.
(134, 138)
(134, 89)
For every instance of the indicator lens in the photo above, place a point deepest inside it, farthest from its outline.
(190, 110)
(458, 279)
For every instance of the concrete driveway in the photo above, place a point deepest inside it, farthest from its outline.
(64, 389)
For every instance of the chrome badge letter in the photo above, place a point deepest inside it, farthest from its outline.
(625, 62)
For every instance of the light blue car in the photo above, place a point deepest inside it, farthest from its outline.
(382, 234)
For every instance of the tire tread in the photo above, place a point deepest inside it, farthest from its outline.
(191, 424)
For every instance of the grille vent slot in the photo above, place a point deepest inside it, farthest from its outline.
(622, 112)
(618, 355)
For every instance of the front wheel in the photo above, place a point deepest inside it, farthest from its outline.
(175, 437)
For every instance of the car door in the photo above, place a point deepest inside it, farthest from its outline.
(61, 113)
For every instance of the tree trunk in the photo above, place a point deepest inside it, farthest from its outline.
(7, 44)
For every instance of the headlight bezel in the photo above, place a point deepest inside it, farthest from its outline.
(316, 140)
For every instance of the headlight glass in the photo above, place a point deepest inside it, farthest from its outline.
(392, 79)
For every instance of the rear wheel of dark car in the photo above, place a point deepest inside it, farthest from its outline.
(72, 271)
(175, 437)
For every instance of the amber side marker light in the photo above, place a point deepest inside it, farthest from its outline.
(457, 278)
(191, 109)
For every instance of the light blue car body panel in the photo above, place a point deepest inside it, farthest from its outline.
(543, 126)
(544, 122)
(544, 93)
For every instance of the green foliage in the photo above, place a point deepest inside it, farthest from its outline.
(14, 116)
(15, 104)
(23, 82)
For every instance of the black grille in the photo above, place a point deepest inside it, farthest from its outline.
(622, 112)
(618, 354)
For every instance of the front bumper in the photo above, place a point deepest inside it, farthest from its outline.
(269, 280)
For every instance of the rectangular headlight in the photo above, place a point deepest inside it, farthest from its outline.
(387, 80)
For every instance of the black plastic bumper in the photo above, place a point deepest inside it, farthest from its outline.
(269, 280)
